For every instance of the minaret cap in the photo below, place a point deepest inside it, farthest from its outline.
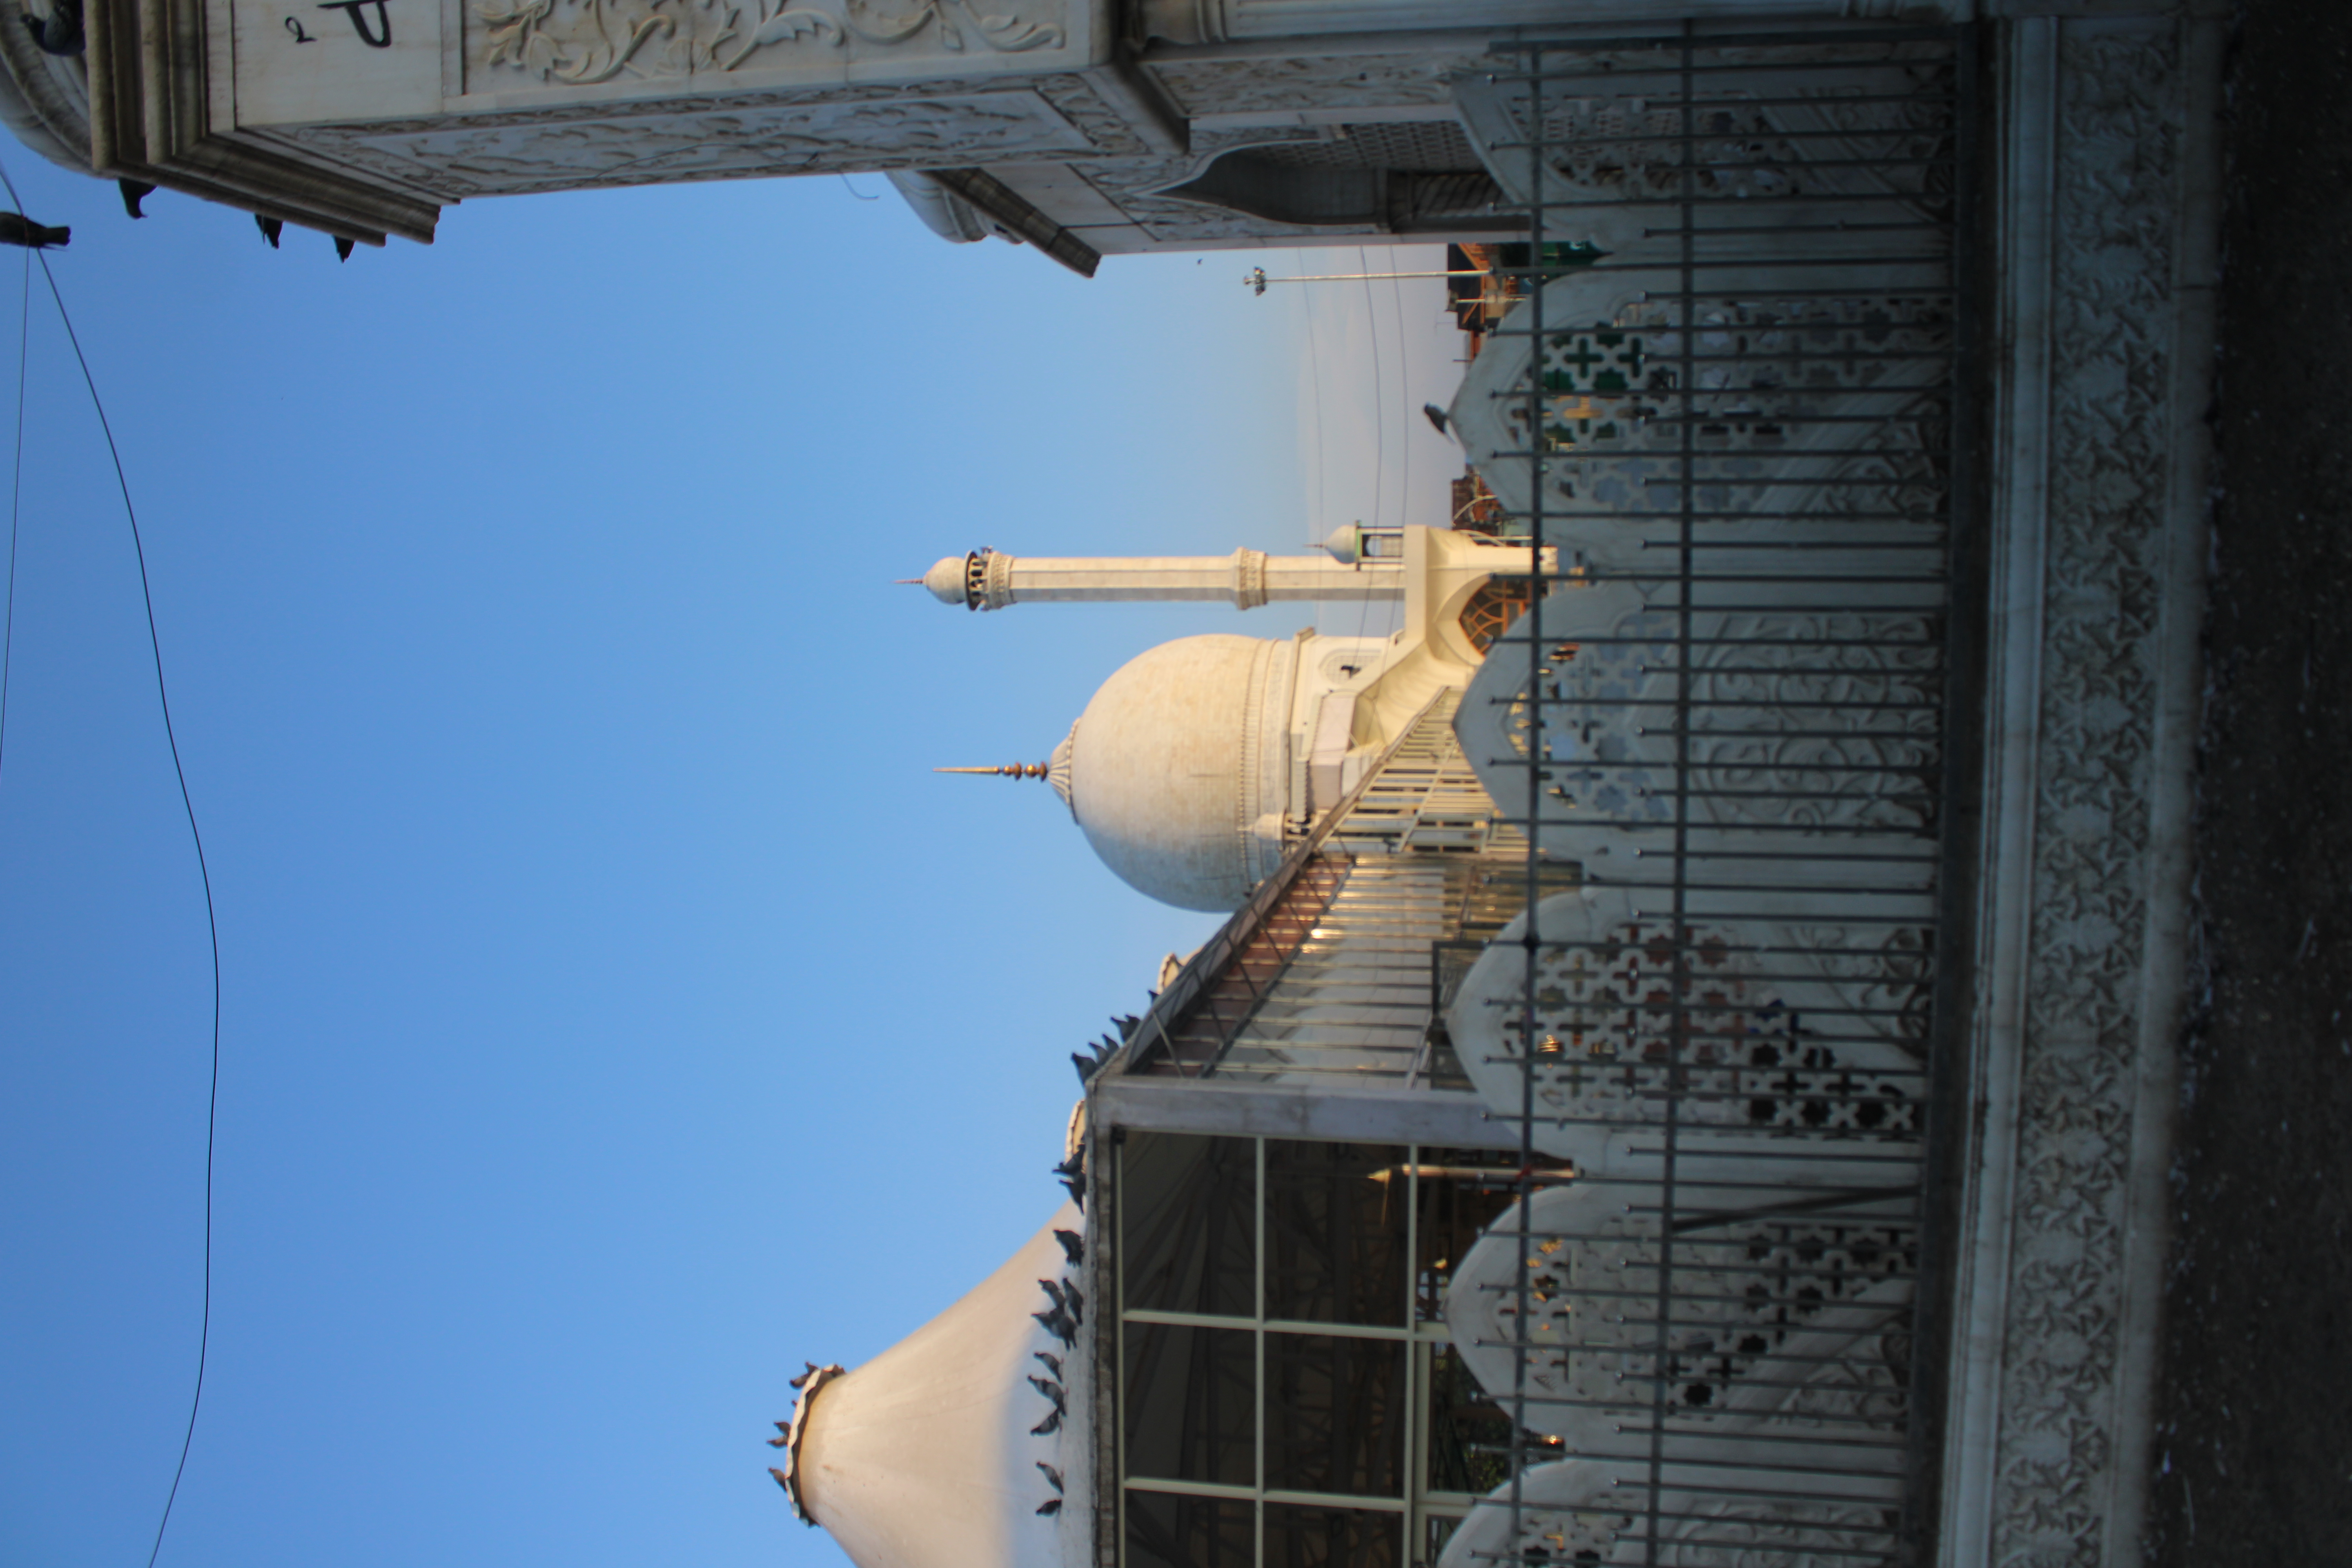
(946, 579)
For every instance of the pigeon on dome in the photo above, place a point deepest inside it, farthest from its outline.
(929, 1454)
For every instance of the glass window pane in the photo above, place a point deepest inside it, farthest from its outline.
(1469, 1435)
(1335, 1415)
(1188, 1214)
(1457, 1207)
(1191, 1406)
(1436, 1530)
(1299, 1537)
(1335, 1243)
(1164, 1531)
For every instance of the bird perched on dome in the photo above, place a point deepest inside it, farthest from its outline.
(1073, 1172)
(1059, 1324)
(1066, 1298)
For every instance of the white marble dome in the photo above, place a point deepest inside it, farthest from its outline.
(1179, 768)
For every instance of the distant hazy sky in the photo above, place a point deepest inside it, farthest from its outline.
(618, 1012)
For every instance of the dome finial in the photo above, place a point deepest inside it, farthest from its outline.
(955, 579)
(1010, 770)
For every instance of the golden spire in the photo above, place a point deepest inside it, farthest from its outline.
(1010, 770)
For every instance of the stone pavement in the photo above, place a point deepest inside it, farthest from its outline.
(2253, 1457)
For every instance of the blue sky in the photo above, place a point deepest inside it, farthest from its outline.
(617, 1011)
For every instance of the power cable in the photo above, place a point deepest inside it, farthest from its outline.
(204, 870)
(15, 491)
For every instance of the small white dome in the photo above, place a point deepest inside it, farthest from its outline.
(1179, 768)
(945, 580)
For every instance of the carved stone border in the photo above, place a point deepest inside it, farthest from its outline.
(2106, 215)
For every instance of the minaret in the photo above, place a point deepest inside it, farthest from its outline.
(1359, 564)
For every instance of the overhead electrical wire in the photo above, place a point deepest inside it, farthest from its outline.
(15, 491)
(204, 870)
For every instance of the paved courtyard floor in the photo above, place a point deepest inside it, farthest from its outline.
(2254, 1441)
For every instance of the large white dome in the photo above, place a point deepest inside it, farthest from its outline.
(1179, 768)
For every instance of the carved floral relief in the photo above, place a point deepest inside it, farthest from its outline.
(2117, 160)
(584, 42)
(486, 155)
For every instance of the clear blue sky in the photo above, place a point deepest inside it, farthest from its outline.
(617, 1011)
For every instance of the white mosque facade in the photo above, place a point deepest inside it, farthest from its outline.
(1685, 1075)
(1267, 1328)
(1205, 772)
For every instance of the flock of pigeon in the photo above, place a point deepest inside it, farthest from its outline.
(1103, 1050)
(784, 1437)
(1065, 1312)
(60, 32)
(1067, 1308)
(1063, 1317)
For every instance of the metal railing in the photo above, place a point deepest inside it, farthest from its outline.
(1745, 428)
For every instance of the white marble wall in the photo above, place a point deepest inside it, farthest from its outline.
(2106, 227)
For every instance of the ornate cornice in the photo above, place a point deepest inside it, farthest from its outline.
(793, 1432)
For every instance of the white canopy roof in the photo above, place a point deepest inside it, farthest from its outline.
(925, 1457)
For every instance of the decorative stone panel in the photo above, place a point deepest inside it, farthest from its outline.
(2106, 214)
